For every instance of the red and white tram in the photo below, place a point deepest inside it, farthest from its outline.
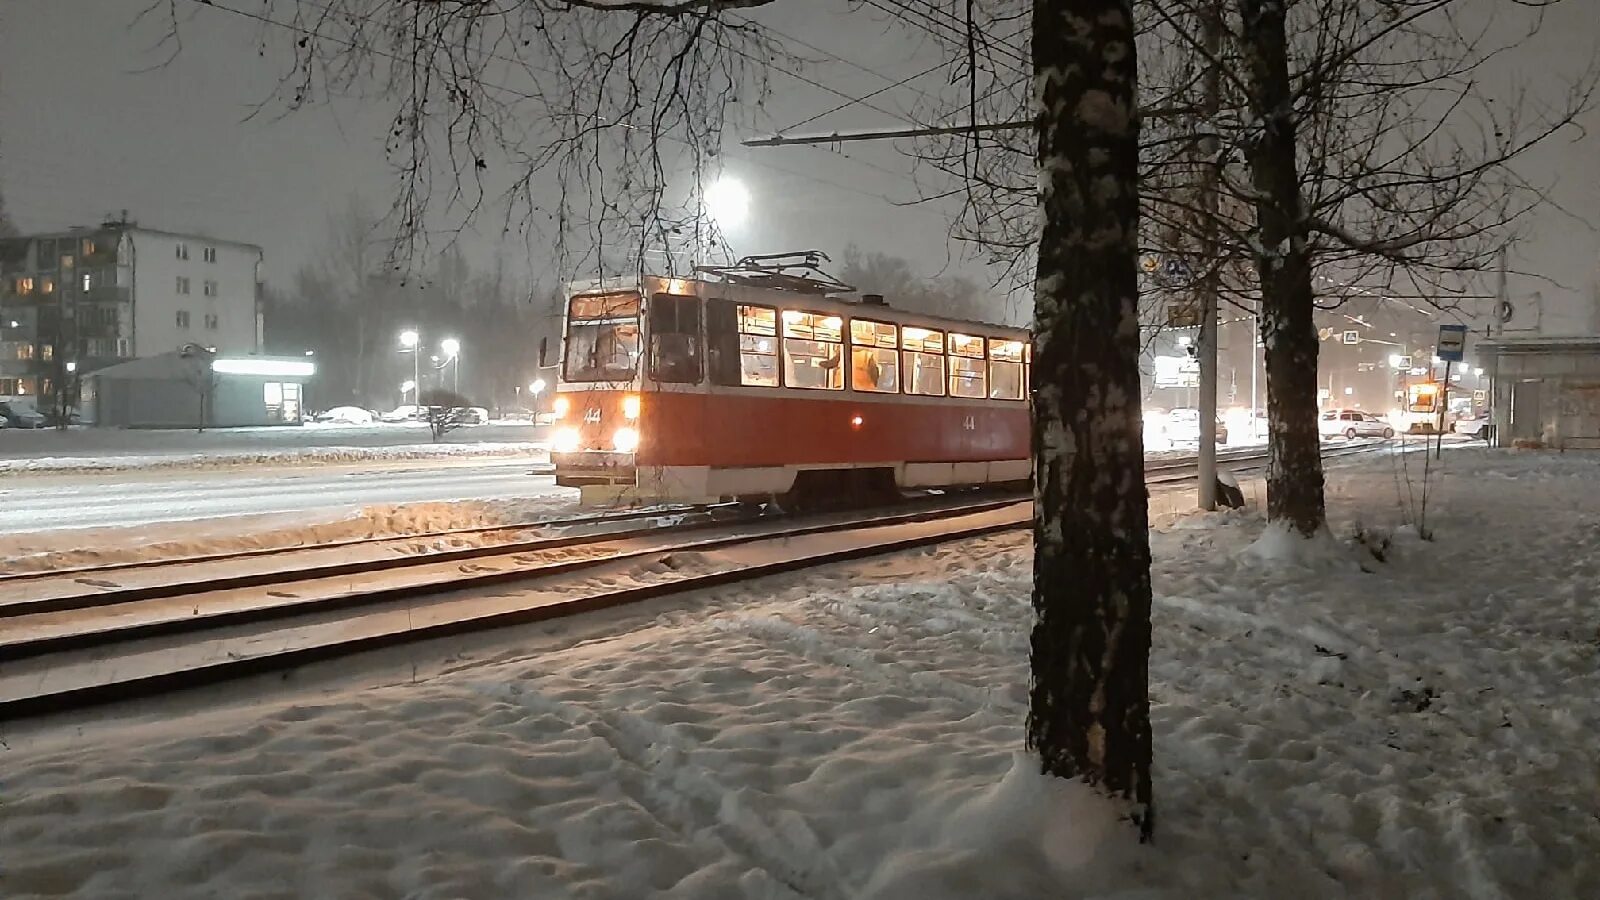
(750, 382)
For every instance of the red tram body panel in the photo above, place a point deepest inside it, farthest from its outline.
(696, 390)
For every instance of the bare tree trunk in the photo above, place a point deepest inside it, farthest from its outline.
(1283, 263)
(1089, 708)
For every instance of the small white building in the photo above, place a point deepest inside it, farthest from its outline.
(88, 298)
(194, 389)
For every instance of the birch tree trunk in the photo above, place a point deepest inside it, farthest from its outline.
(1283, 263)
(1089, 710)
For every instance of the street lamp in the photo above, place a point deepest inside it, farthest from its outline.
(72, 366)
(411, 342)
(728, 202)
(537, 387)
(452, 353)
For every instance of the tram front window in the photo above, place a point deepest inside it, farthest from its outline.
(602, 338)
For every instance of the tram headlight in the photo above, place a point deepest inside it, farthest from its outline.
(626, 440)
(565, 440)
(561, 407)
(630, 407)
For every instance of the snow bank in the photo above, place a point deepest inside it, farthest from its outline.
(45, 551)
(239, 459)
(1280, 544)
(1421, 730)
(1024, 838)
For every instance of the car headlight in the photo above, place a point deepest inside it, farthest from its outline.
(626, 440)
(561, 407)
(630, 407)
(565, 440)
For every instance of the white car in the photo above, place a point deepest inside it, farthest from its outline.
(1351, 424)
(400, 414)
(1472, 426)
(346, 415)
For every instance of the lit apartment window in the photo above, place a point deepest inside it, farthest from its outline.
(211, 321)
(210, 254)
(88, 281)
(209, 287)
(88, 247)
(47, 285)
(183, 318)
(47, 352)
(24, 285)
(183, 251)
(183, 285)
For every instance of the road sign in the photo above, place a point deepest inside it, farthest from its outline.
(1352, 337)
(1452, 343)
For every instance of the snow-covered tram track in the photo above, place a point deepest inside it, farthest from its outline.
(79, 657)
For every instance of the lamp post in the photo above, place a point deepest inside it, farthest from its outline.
(452, 353)
(727, 203)
(411, 342)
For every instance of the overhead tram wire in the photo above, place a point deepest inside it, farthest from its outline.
(947, 29)
(297, 29)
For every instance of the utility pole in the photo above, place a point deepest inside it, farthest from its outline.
(1208, 284)
(1497, 325)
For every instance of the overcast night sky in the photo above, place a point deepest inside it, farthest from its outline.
(81, 135)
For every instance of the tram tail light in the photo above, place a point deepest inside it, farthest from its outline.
(630, 407)
(561, 407)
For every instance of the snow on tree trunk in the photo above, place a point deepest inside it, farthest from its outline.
(1089, 708)
(1283, 262)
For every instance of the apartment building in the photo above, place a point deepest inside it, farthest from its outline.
(75, 301)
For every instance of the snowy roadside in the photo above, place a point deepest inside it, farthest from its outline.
(1419, 727)
(302, 456)
(43, 551)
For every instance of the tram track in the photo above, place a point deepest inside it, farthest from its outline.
(68, 650)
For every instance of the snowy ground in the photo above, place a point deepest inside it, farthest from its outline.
(59, 525)
(1420, 727)
(92, 450)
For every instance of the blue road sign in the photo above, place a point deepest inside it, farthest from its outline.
(1452, 343)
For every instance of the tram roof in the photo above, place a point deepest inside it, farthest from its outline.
(788, 299)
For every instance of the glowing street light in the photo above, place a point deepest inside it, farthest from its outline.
(537, 387)
(452, 353)
(1396, 361)
(728, 202)
(411, 342)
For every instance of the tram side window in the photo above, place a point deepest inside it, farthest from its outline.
(874, 357)
(743, 344)
(922, 356)
(675, 339)
(1005, 370)
(968, 377)
(813, 351)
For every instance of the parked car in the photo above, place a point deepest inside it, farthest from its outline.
(472, 415)
(404, 413)
(1183, 427)
(345, 415)
(1351, 424)
(1472, 426)
(20, 412)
